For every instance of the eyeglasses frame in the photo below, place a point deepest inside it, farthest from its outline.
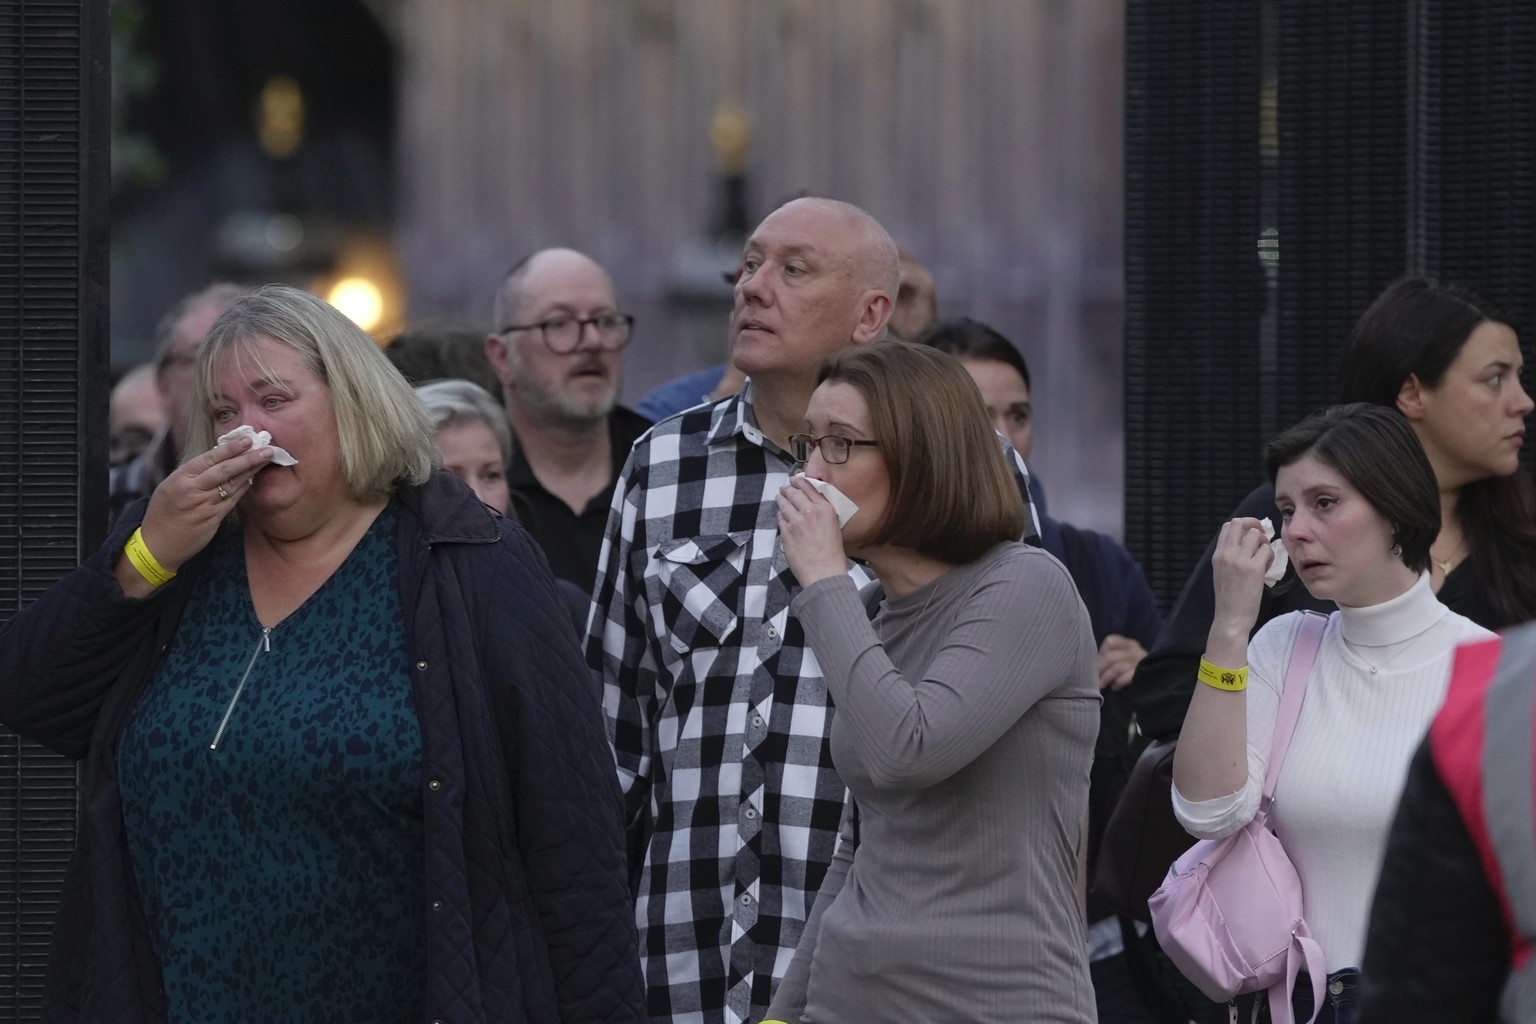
(813, 443)
(582, 323)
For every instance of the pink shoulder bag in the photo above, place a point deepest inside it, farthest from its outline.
(1229, 913)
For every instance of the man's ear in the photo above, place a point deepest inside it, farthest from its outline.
(496, 355)
(1410, 398)
(873, 317)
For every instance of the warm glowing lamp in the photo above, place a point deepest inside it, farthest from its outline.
(360, 299)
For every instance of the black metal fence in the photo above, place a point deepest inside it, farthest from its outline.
(1285, 160)
(53, 399)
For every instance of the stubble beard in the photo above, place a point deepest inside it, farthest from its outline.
(562, 409)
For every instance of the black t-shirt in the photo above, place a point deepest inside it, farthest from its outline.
(572, 540)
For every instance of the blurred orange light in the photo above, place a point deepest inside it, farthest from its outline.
(359, 299)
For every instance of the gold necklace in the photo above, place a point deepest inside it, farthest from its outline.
(1447, 564)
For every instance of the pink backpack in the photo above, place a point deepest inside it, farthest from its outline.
(1229, 913)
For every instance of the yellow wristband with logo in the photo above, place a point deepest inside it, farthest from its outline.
(1228, 680)
(147, 564)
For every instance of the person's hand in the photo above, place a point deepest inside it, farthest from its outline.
(813, 542)
(186, 509)
(1237, 567)
(1118, 658)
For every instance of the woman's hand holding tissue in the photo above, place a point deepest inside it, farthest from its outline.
(809, 531)
(1243, 556)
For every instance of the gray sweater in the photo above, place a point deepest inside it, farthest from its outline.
(966, 718)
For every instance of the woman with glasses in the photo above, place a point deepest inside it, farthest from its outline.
(966, 711)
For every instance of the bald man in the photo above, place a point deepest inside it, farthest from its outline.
(557, 351)
(715, 705)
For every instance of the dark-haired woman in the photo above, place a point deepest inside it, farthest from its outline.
(1360, 511)
(966, 712)
(1449, 363)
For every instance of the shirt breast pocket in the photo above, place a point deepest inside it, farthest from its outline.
(701, 581)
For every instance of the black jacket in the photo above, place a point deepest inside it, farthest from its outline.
(1437, 948)
(530, 916)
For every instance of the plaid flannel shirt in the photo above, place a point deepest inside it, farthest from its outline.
(717, 712)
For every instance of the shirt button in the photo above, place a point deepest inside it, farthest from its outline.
(746, 899)
(757, 721)
(421, 665)
(434, 784)
(773, 632)
(751, 813)
(437, 904)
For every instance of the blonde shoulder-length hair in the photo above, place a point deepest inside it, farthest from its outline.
(386, 435)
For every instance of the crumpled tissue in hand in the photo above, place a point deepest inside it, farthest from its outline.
(260, 439)
(1277, 565)
(841, 503)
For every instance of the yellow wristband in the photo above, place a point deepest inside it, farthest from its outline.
(1228, 680)
(148, 566)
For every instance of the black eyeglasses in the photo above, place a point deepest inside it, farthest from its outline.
(563, 333)
(834, 447)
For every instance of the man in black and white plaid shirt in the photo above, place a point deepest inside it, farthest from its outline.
(716, 707)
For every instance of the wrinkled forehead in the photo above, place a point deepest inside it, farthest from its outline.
(805, 230)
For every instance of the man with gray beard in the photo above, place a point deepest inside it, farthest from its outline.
(557, 352)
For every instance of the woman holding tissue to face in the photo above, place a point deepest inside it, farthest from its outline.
(341, 758)
(966, 711)
(1360, 509)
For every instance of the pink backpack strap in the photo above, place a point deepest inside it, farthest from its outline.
(1304, 949)
(1309, 637)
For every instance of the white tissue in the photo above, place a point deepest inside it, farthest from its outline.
(260, 439)
(1277, 565)
(841, 503)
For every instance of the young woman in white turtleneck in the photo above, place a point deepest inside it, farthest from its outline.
(1360, 508)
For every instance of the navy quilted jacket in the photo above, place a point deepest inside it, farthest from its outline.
(530, 916)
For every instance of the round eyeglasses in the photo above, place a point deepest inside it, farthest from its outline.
(834, 447)
(563, 333)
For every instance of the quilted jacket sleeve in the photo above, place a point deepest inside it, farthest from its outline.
(567, 801)
(63, 653)
(1436, 948)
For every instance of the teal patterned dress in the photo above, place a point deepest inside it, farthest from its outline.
(276, 833)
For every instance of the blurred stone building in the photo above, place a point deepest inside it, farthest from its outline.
(985, 134)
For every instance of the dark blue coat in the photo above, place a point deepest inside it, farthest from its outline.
(529, 913)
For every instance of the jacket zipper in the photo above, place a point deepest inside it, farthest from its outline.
(264, 644)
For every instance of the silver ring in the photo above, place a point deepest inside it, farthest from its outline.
(222, 492)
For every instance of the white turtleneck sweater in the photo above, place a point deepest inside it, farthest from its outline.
(1342, 777)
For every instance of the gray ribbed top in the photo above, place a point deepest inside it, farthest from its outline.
(966, 718)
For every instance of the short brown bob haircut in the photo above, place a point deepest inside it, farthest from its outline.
(952, 495)
(1375, 450)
